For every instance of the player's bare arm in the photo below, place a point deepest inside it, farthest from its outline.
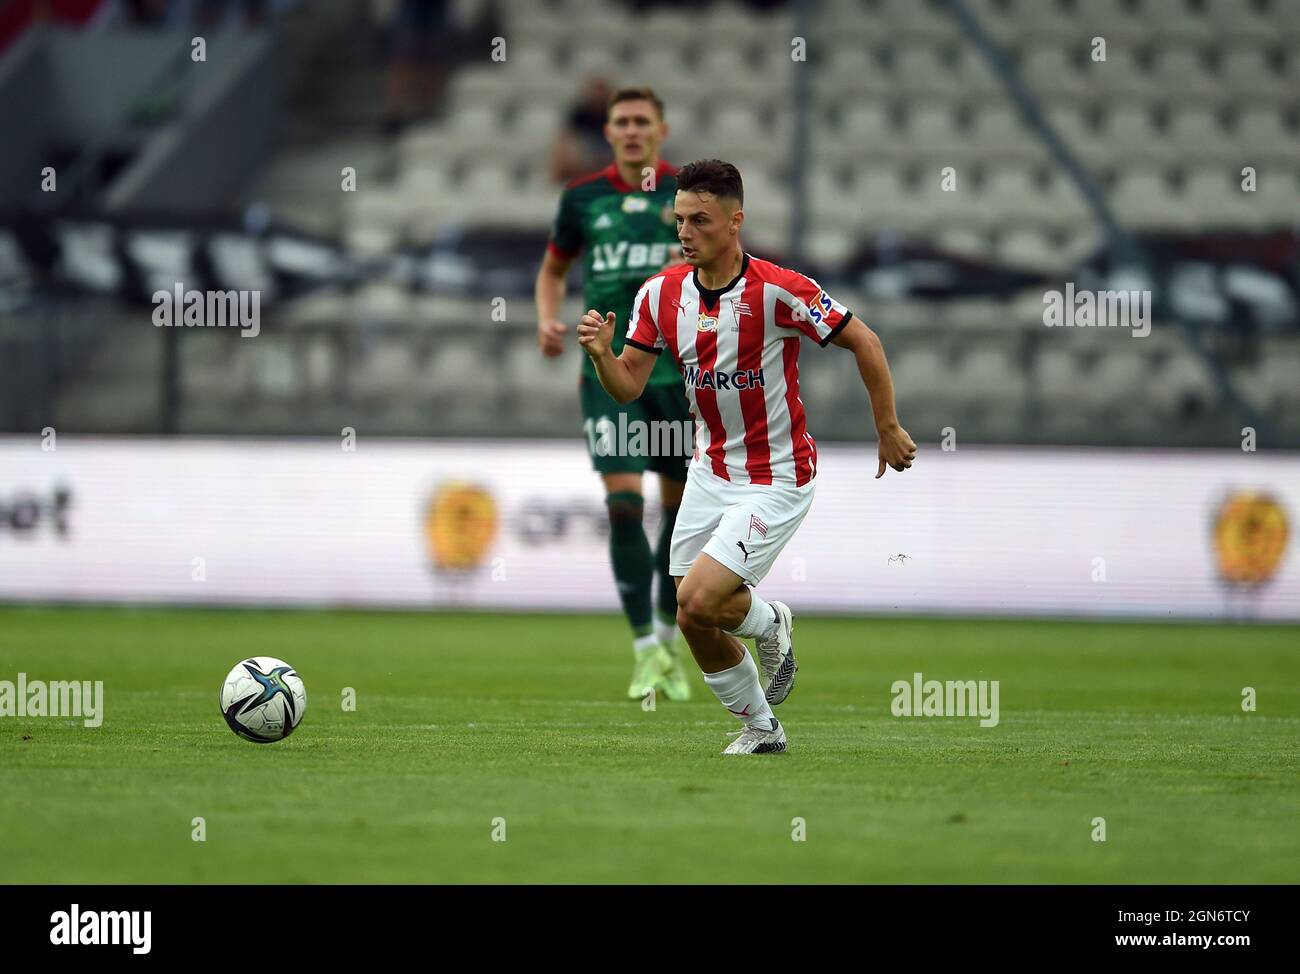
(623, 376)
(549, 292)
(896, 448)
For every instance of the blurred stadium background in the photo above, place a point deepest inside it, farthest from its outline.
(404, 307)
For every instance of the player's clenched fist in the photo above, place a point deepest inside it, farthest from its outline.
(550, 337)
(596, 333)
(896, 449)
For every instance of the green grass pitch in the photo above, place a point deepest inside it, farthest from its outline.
(465, 718)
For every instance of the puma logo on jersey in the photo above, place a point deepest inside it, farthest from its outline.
(741, 546)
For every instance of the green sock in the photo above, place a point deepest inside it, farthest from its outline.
(667, 590)
(629, 552)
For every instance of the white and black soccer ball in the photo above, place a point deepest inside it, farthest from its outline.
(263, 699)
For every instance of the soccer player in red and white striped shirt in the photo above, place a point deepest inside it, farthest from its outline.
(732, 323)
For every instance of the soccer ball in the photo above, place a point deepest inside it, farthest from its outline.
(263, 699)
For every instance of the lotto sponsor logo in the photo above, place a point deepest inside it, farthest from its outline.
(710, 379)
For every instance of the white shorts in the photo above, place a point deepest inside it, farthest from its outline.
(743, 526)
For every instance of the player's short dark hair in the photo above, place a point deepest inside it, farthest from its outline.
(642, 93)
(712, 176)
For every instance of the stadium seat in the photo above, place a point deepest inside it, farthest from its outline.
(322, 308)
(911, 20)
(922, 71)
(866, 126)
(386, 370)
(538, 122)
(1238, 19)
(380, 302)
(1175, 20)
(320, 372)
(1261, 130)
(1184, 374)
(1119, 75)
(932, 127)
(480, 84)
(1050, 70)
(1128, 128)
(1276, 200)
(1183, 71)
(1143, 198)
(276, 376)
(462, 367)
(1114, 20)
(966, 241)
(974, 316)
(829, 245)
(1219, 198)
(1030, 248)
(999, 130)
(1194, 129)
(1013, 193)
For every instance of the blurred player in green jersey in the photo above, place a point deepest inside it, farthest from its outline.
(620, 221)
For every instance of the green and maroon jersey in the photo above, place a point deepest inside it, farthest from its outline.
(625, 234)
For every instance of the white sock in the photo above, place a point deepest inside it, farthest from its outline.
(741, 693)
(758, 621)
(666, 632)
(644, 644)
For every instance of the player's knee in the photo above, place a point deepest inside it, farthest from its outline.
(625, 506)
(685, 621)
(696, 609)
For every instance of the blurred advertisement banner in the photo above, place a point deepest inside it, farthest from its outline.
(522, 525)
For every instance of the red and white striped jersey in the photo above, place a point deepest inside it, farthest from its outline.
(738, 352)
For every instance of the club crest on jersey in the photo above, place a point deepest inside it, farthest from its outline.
(635, 204)
(707, 323)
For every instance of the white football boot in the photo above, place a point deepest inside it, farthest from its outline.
(776, 656)
(755, 740)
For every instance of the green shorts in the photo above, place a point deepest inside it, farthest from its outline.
(655, 432)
